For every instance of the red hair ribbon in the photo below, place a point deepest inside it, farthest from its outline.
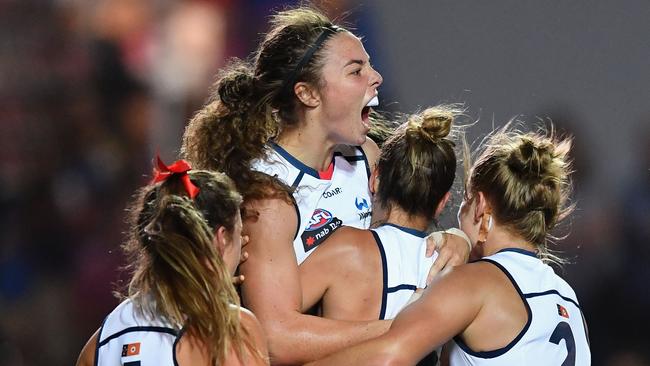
(162, 172)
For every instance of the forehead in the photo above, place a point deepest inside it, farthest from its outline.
(342, 48)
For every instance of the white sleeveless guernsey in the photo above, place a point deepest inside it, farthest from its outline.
(555, 333)
(129, 339)
(405, 267)
(323, 203)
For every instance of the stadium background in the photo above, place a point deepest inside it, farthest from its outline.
(90, 90)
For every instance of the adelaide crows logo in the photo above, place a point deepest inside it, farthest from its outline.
(321, 225)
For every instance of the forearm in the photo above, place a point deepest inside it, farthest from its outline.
(380, 351)
(298, 338)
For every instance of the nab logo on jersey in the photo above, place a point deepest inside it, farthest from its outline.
(321, 225)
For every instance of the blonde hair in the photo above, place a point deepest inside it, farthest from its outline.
(178, 274)
(417, 164)
(525, 178)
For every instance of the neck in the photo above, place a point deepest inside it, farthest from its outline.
(310, 148)
(397, 216)
(499, 238)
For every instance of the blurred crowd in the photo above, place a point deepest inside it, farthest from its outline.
(90, 91)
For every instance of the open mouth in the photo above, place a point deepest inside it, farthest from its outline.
(365, 112)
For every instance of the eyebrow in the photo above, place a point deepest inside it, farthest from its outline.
(351, 62)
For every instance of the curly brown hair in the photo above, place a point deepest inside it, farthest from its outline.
(251, 105)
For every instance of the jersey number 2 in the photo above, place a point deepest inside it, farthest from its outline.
(563, 331)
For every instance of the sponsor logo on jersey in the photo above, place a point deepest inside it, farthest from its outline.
(320, 226)
(561, 311)
(318, 219)
(332, 192)
(361, 204)
(131, 349)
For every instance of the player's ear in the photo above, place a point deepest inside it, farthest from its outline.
(220, 239)
(307, 94)
(373, 182)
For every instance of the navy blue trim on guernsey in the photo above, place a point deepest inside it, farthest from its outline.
(408, 230)
(402, 287)
(295, 205)
(553, 292)
(178, 338)
(295, 162)
(349, 159)
(365, 158)
(139, 329)
(500, 351)
(384, 269)
(520, 251)
(295, 183)
(99, 337)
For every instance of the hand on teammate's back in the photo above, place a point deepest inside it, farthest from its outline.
(453, 249)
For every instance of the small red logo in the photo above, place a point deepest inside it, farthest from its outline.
(131, 349)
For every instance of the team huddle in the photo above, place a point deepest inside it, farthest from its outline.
(339, 265)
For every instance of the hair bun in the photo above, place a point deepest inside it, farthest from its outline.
(434, 123)
(235, 88)
(531, 160)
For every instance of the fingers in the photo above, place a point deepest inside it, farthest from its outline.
(238, 280)
(434, 241)
(438, 264)
(244, 254)
(453, 252)
(243, 257)
(459, 248)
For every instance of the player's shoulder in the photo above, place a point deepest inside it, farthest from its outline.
(473, 276)
(247, 317)
(350, 238)
(352, 245)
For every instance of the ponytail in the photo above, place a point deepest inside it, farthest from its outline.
(178, 274)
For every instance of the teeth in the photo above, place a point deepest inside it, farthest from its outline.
(373, 102)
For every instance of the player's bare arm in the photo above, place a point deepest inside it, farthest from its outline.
(345, 273)
(87, 356)
(422, 326)
(272, 291)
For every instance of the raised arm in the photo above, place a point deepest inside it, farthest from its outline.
(446, 308)
(272, 291)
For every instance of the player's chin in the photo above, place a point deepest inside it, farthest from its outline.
(360, 139)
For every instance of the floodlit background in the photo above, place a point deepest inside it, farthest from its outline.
(91, 90)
